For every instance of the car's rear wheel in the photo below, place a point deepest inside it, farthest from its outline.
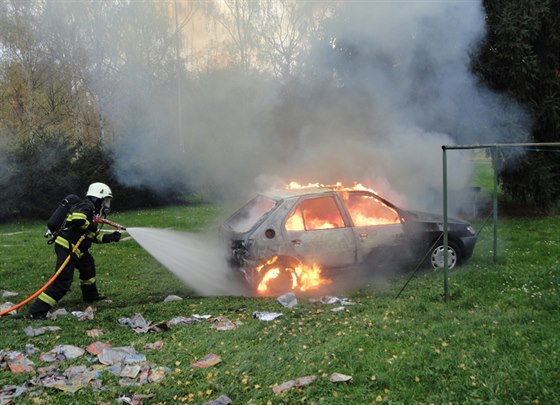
(437, 256)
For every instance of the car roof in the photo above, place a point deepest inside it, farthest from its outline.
(282, 194)
(279, 194)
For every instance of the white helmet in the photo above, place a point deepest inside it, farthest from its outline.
(99, 190)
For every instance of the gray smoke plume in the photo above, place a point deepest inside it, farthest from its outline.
(374, 103)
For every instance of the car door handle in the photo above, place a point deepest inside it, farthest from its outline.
(363, 235)
(296, 242)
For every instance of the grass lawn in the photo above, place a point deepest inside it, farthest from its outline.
(496, 341)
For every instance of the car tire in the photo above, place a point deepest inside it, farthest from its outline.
(436, 256)
(283, 283)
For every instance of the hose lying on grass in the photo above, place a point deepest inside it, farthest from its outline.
(43, 288)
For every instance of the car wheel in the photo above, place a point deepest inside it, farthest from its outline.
(437, 256)
(283, 277)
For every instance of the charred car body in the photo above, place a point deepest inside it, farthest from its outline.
(335, 228)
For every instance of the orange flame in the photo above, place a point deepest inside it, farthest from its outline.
(294, 185)
(363, 209)
(300, 277)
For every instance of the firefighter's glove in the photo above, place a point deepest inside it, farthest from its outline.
(112, 237)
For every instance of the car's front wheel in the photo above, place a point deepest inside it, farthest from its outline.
(277, 276)
(437, 256)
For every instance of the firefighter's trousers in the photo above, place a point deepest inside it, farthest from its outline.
(61, 285)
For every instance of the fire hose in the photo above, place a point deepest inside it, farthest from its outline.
(43, 288)
(99, 220)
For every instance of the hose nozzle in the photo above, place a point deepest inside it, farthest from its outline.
(100, 220)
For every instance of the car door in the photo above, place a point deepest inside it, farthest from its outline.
(317, 232)
(376, 224)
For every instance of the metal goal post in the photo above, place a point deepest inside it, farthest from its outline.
(494, 148)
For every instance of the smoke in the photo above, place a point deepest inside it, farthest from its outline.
(405, 89)
(195, 259)
(384, 87)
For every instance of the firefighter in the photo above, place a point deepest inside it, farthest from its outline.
(80, 221)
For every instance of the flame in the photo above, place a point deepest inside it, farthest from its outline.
(301, 277)
(294, 185)
(364, 210)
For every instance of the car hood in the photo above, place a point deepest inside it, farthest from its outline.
(428, 217)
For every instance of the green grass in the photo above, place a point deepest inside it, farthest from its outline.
(496, 341)
(483, 172)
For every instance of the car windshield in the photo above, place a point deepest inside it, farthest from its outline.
(246, 217)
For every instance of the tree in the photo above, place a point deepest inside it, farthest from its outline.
(285, 29)
(521, 57)
(72, 74)
(238, 18)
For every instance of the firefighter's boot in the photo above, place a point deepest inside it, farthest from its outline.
(90, 293)
(39, 309)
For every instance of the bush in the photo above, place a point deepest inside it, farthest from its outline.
(40, 173)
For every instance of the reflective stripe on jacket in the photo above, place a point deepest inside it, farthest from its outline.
(80, 222)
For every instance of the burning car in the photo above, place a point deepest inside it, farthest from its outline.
(285, 239)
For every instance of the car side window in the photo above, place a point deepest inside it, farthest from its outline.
(366, 210)
(295, 221)
(315, 213)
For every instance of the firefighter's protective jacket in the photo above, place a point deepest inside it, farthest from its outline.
(80, 222)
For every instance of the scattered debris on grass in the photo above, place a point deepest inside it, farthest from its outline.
(337, 377)
(135, 399)
(154, 346)
(62, 353)
(7, 305)
(10, 392)
(29, 331)
(130, 367)
(124, 362)
(221, 400)
(115, 355)
(188, 320)
(16, 361)
(140, 325)
(8, 294)
(171, 298)
(97, 348)
(298, 382)
(94, 332)
(327, 299)
(182, 320)
(222, 323)
(288, 300)
(71, 380)
(30, 349)
(55, 314)
(266, 316)
(207, 361)
(85, 315)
